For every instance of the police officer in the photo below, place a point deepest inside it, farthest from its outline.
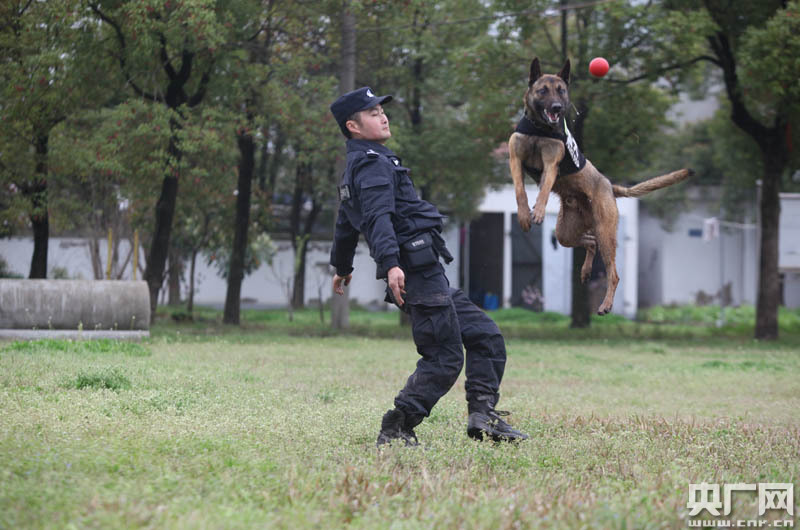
(379, 201)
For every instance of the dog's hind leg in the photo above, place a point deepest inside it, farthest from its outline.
(606, 217)
(573, 230)
(589, 242)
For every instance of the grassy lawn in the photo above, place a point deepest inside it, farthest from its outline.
(274, 424)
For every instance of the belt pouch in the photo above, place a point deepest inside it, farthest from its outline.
(418, 252)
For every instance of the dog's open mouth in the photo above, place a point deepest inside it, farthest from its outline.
(551, 117)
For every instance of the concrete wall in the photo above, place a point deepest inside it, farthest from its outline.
(74, 304)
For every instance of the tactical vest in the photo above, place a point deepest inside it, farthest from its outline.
(573, 160)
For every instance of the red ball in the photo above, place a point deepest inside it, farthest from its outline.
(598, 67)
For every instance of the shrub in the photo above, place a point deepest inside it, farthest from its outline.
(112, 379)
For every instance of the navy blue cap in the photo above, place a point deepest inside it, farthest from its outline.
(355, 101)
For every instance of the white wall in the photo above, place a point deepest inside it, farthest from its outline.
(262, 288)
(68, 253)
(789, 248)
(789, 235)
(676, 266)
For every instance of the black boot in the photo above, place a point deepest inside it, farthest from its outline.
(394, 426)
(484, 420)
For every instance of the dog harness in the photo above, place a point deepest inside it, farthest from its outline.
(569, 164)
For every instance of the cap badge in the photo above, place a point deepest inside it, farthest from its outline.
(370, 94)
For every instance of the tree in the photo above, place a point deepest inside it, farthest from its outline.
(86, 193)
(760, 40)
(281, 68)
(254, 63)
(308, 175)
(44, 46)
(340, 307)
(166, 52)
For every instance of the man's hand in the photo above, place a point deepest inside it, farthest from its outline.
(337, 283)
(397, 283)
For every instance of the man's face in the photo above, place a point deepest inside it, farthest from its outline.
(372, 124)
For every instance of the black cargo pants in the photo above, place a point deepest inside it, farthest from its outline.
(443, 321)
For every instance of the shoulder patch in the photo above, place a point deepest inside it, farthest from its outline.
(371, 153)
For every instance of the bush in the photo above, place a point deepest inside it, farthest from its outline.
(744, 315)
(112, 379)
(5, 272)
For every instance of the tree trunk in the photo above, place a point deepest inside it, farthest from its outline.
(165, 212)
(159, 247)
(175, 271)
(299, 284)
(41, 237)
(775, 154)
(581, 311)
(301, 230)
(768, 279)
(340, 305)
(39, 217)
(94, 254)
(233, 298)
(190, 296)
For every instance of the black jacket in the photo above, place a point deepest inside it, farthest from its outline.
(378, 200)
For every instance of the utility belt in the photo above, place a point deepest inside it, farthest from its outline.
(424, 250)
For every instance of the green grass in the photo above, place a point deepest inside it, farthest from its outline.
(210, 426)
(658, 323)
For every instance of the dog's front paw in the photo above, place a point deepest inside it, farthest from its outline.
(538, 214)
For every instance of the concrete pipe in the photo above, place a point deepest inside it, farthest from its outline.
(90, 305)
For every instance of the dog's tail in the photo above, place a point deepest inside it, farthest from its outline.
(655, 183)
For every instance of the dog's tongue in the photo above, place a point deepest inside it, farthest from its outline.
(552, 118)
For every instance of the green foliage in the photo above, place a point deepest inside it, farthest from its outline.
(721, 155)
(110, 379)
(5, 272)
(659, 323)
(46, 48)
(771, 59)
(260, 250)
(744, 315)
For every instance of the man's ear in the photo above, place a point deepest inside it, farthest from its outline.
(564, 73)
(352, 126)
(536, 71)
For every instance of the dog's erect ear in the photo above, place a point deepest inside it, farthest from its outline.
(564, 73)
(536, 71)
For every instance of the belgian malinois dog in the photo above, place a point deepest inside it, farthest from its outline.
(543, 147)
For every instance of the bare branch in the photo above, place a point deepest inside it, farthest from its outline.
(739, 113)
(201, 89)
(164, 58)
(660, 71)
(186, 66)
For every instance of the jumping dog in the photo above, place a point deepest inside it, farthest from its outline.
(543, 147)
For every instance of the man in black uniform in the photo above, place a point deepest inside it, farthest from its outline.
(378, 200)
